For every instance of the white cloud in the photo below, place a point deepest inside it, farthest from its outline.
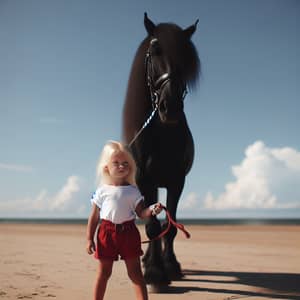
(266, 178)
(190, 202)
(63, 201)
(16, 168)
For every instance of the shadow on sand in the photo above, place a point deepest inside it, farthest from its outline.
(277, 285)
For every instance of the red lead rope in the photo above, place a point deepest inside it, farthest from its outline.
(170, 223)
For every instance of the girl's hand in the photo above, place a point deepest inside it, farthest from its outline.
(90, 247)
(156, 208)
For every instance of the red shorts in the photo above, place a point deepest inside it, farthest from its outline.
(118, 239)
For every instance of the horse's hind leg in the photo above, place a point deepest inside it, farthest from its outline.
(171, 264)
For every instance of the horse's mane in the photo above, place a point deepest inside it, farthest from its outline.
(185, 64)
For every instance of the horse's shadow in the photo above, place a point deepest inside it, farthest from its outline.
(269, 285)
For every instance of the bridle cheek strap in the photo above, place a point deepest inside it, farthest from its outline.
(162, 80)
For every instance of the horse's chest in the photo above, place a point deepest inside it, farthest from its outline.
(167, 156)
(163, 152)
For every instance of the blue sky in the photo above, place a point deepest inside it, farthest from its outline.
(63, 77)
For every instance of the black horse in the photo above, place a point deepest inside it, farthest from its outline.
(166, 63)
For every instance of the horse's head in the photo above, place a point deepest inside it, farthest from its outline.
(171, 64)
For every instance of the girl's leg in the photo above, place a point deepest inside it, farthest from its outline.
(104, 272)
(135, 274)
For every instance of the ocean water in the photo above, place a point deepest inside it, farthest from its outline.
(209, 222)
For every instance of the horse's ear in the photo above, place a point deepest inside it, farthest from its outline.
(190, 30)
(149, 25)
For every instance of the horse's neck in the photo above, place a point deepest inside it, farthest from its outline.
(135, 111)
(137, 103)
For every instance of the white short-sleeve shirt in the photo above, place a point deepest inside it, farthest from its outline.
(117, 203)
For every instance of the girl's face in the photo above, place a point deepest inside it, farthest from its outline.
(118, 167)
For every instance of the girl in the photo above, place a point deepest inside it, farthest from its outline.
(116, 201)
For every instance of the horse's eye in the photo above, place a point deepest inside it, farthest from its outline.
(155, 48)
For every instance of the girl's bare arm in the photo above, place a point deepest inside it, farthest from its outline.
(91, 228)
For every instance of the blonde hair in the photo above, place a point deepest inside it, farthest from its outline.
(110, 148)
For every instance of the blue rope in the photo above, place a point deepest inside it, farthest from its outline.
(147, 122)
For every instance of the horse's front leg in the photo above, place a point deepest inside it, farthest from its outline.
(154, 271)
(171, 264)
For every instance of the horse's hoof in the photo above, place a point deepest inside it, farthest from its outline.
(156, 278)
(173, 270)
(157, 288)
(175, 276)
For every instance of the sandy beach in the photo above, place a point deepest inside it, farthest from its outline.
(219, 262)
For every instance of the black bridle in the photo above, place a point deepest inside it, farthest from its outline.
(156, 87)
